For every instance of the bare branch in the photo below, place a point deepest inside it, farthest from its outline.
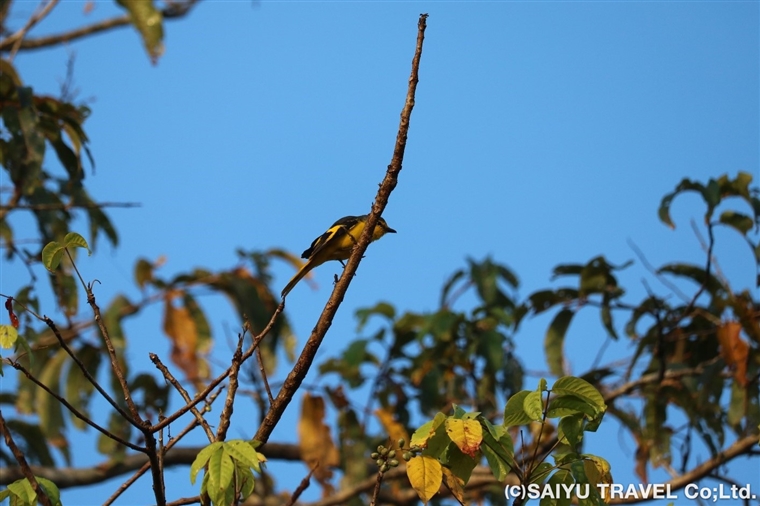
(739, 447)
(177, 386)
(301, 486)
(174, 11)
(68, 206)
(17, 38)
(192, 425)
(302, 366)
(67, 477)
(202, 395)
(71, 408)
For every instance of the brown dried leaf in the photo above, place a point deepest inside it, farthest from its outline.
(394, 429)
(734, 350)
(315, 441)
(180, 327)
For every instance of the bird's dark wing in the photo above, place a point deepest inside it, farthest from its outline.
(338, 229)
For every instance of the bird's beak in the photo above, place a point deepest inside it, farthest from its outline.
(389, 230)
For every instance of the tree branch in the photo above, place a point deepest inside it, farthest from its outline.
(302, 366)
(68, 477)
(15, 40)
(173, 11)
(23, 465)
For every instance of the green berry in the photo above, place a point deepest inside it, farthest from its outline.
(408, 455)
(392, 454)
(374, 455)
(380, 463)
(401, 443)
(393, 463)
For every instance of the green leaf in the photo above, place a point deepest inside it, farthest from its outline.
(50, 489)
(243, 453)
(571, 428)
(566, 270)
(606, 314)
(149, 22)
(499, 460)
(48, 408)
(546, 299)
(514, 412)
(664, 211)
(226, 468)
(143, 272)
(24, 491)
(36, 447)
(741, 222)
(561, 477)
(566, 405)
(449, 285)
(74, 240)
(459, 463)
(51, 255)
(554, 341)
(533, 404)
(381, 309)
(202, 458)
(78, 388)
(694, 272)
(582, 389)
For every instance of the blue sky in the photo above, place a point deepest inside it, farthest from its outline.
(544, 133)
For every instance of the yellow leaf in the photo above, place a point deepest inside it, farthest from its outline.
(454, 483)
(466, 434)
(394, 429)
(598, 471)
(8, 336)
(315, 441)
(425, 476)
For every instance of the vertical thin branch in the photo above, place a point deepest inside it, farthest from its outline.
(229, 402)
(302, 366)
(263, 372)
(23, 464)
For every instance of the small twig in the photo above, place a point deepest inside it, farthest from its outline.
(201, 395)
(177, 386)
(192, 425)
(86, 373)
(302, 486)
(600, 353)
(376, 490)
(17, 38)
(229, 401)
(19, 456)
(68, 206)
(173, 11)
(665, 281)
(260, 360)
(185, 500)
(74, 411)
(115, 367)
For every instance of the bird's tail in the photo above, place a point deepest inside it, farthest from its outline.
(303, 271)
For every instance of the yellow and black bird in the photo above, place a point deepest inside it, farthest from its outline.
(336, 244)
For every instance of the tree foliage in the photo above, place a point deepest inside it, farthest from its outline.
(427, 405)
